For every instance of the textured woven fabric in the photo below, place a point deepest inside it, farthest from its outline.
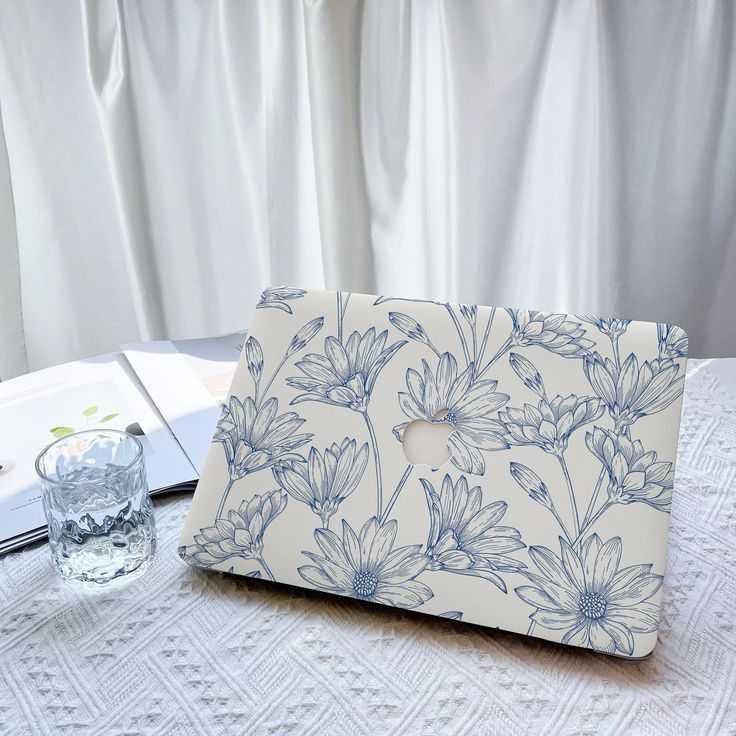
(183, 651)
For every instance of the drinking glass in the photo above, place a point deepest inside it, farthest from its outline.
(100, 516)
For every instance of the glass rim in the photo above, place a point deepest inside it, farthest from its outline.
(119, 432)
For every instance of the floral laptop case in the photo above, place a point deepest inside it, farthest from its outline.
(550, 515)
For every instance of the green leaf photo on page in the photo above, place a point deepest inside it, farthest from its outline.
(91, 418)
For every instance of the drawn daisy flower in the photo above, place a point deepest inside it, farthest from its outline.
(635, 475)
(633, 391)
(278, 296)
(255, 438)
(240, 533)
(366, 566)
(588, 597)
(549, 424)
(326, 479)
(553, 332)
(344, 375)
(457, 400)
(673, 341)
(613, 328)
(466, 538)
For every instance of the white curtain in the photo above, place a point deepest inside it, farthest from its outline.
(166, 160)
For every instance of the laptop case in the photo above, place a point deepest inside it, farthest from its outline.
(550, 515)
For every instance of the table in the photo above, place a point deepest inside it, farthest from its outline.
(183, 651)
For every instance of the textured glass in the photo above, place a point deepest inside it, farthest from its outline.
(100, 517)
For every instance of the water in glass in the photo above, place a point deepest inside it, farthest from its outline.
(100, 516)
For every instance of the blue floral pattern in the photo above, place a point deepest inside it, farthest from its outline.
(631, 391)
(278, 297)
(589, 597)
(553, 332)
(549, 424)
(550, 421)
(255, 437)
(366, 565)
(240, 533)
(634, 475)
(673, 342)
(466, 538)
(326, 479)
(346, 374)
(460, 401)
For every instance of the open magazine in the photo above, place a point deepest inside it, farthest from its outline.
(167, 393)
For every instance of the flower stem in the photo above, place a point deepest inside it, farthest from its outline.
(475, 346)
(616, 355)
(576, 520)
(487, 332)
(342, 305)
(339, 317)
(595, 518)
(221, 507)
(531, 628)
(265, 567)
(557, 516)
(395, 494)
(460, 333)
(430, 344)
(660, 339)
(273, 376)
(498, 354)
(594, 498)
(377, 460)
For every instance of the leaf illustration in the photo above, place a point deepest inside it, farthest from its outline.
(60, 432)
(89, 411)
(108, 417)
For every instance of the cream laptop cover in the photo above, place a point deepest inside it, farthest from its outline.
(550, 516)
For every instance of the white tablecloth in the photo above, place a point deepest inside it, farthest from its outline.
(182, 651)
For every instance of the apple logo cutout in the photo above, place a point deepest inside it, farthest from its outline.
(425, 443)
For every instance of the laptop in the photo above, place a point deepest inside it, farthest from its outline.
(506, 467)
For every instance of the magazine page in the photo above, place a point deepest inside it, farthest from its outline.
(188, 380)
(40, 407)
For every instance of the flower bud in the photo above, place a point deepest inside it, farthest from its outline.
(408, 326)
(300, 340)
(470, 312)
(527, 373)
(254, 358)
(530, 482)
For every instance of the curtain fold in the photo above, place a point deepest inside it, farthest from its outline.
(13, 359)
(167, 160)
(107, 64)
